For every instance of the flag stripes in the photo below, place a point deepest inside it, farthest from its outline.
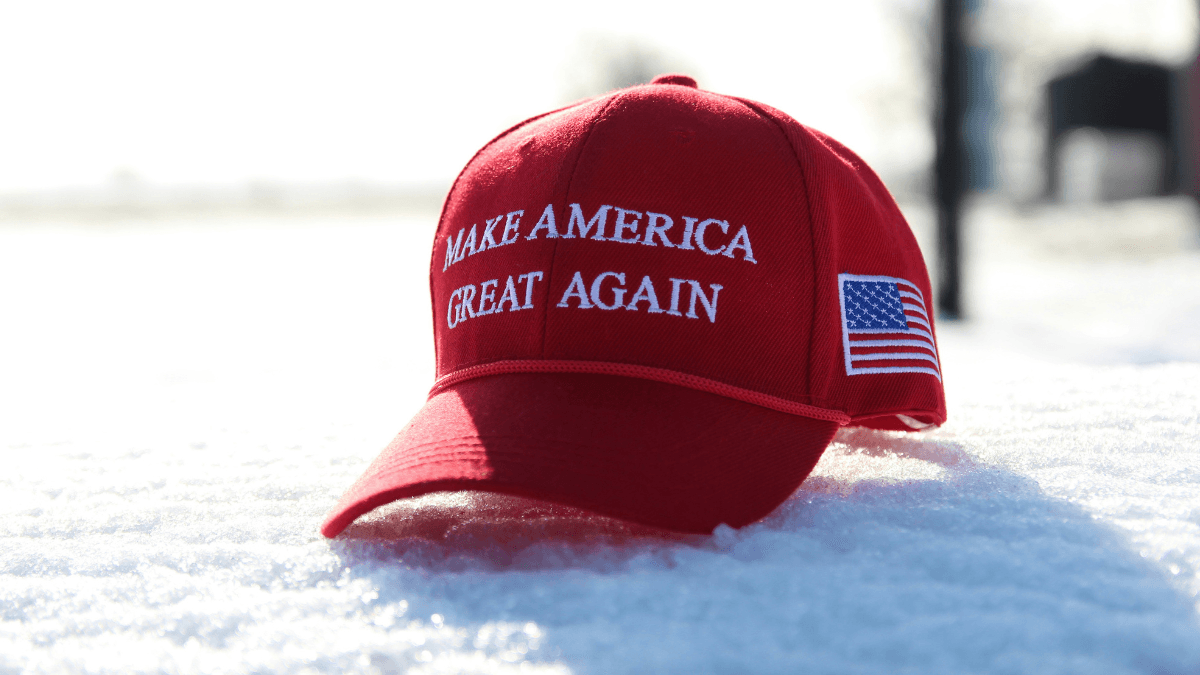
(885, 326)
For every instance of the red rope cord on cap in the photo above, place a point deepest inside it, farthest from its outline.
(646, 373)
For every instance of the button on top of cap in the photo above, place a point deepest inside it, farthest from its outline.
(672, 78)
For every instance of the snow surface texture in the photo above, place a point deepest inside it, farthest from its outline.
(181, 403)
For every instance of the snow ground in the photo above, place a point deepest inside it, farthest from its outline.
(182, 401)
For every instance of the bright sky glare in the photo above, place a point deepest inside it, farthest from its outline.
(225, 92)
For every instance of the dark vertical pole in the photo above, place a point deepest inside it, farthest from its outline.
(950, 169)
(1188, 114)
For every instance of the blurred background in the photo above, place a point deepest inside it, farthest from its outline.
(201, 191)
(139, 107)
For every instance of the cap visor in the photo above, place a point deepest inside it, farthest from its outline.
(649, 452)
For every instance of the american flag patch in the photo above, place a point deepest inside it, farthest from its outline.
(885, 326)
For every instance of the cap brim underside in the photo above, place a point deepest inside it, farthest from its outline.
(653, 453)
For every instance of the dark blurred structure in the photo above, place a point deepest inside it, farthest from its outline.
(949, 165)
(1133, 112)
(965, 123)
(948, 160)
(1189, 106)
(981, 113)
(1143, 119)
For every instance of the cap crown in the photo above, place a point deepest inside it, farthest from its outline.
(689, 237)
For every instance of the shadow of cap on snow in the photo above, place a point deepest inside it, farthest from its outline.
(974, 521)
(944, 453)
(889, 559)
(468, 518)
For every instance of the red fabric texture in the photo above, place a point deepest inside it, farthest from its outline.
(643, 451)
(716, 231)
(858, 228)
(642, 372)
(812, 209)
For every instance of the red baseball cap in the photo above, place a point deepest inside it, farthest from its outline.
(660, 304)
